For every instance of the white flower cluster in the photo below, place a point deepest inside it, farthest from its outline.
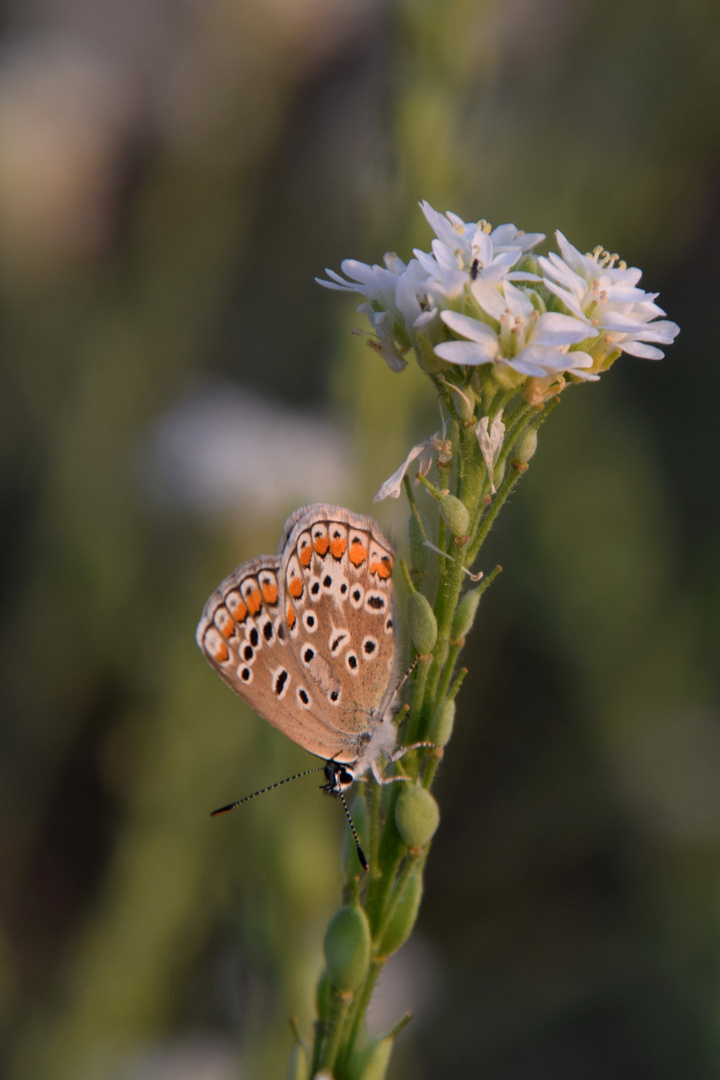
(480, 297)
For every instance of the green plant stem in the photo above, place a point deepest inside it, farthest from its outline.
(434, 683)
(334, 1042)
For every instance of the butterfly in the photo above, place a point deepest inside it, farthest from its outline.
(307, 638)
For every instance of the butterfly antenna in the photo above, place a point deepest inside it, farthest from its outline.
(361, 853)
(279, 783)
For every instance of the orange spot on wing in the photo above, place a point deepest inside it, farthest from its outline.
(337, 547)
(358, 552)
(291, 616)
(295, 588)
(270, 592)
(236, 606)
(321, 544)
(216, 647)
(305, 554)
(384, 567)
(224, 622)
(254, 599)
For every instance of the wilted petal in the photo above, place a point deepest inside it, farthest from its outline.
(393, 485)
(491, 441)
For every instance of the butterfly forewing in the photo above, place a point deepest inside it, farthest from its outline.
(306, 637)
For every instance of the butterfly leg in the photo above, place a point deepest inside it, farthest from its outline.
(396, 757)
(397, 754)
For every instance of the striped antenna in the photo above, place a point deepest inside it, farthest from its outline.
(361, 853)
(279, 783)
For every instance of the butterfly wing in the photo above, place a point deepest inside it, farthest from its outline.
(243, 635)
(335, 572)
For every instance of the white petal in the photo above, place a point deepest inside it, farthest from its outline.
(570, 300)
(469, 328)
(542, 357)
(441, 226)
(491, 441)
(466, 352)
(638, 348)
(552, 328)
(489, 298)
(519, 304)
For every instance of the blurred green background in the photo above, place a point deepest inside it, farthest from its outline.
(173, 383)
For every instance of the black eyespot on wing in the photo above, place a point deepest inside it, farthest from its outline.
(281, 632)
(308, 654)
(245, 674)
(343, 588)
(254, 637)
(377, 603)
(327, 581)
(334, 695)
(268, 631)
(248, 653)
(352, 661)
(369, 646)
(303, 695)
(280, 680)
(315, 588)
(357, 596)
(310, 620)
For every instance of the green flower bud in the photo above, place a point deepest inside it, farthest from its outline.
(416, 816)
(456, 514)
(347, 949)
(421, 623)
(499, 473)
(441, 725)
(464, 615)
(418, 551)
(526, 446)
(400, 926)
(359, 815)
(324, 997)
(299, 1068)
(372, 1061)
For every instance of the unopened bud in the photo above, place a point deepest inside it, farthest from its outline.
(499, 474)
(403, 919)
(465, 613)
(347, 949)
(441, 725)
(416, 816)
(456, 514)
(526, 446)
(422, 623)
(371, 1062)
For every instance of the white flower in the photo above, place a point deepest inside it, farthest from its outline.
(377, 283)
(490, 437)
(414, 305)
(606, 296)
(466, 252)
(465, 236)
(529, 343)
(425, 451)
